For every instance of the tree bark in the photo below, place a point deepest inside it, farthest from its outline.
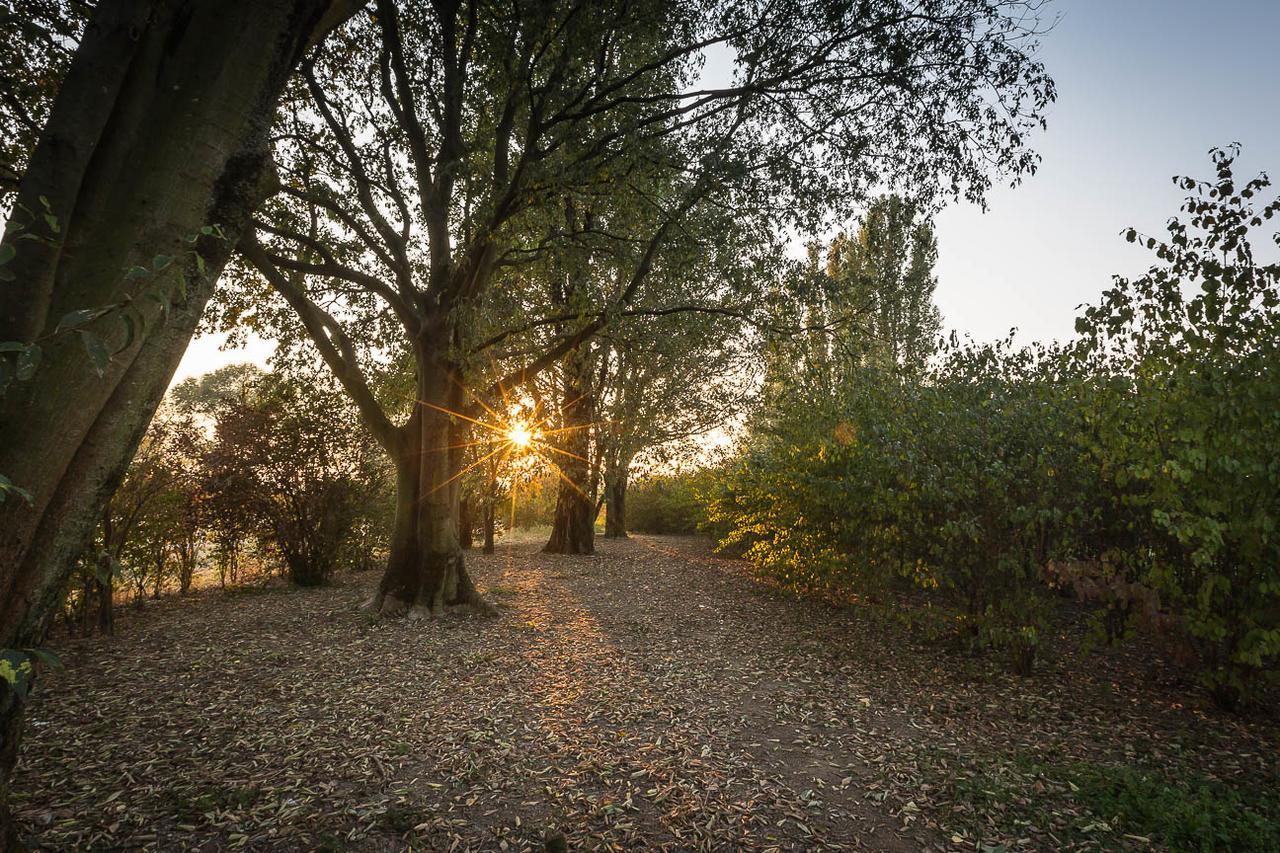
(105, 592)
(465, 524)
(615, 502)
(12, 713)
(159, 129)
(489, 513)
(426, 572)
(573, 529)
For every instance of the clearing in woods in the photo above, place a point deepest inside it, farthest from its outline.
(650, 697)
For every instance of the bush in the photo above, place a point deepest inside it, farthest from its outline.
(1182, 423)
(959, 485)
(668, 504)
(1139, 465)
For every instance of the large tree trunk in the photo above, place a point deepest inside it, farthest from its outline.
(615, 503)
(11, 720)
(573, 530)
(425, 571)
(160, 128)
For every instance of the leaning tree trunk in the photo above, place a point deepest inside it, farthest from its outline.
(615, 503)
(573, 530)
(159, 129)
(425, 571)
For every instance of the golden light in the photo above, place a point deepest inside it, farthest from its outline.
(520, 435)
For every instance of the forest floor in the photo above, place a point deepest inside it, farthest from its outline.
(652, 697)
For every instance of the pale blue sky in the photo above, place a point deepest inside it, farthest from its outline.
(1145, 89)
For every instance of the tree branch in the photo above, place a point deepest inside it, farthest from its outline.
(329, 338)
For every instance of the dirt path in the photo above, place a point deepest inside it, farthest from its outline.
(648, 698)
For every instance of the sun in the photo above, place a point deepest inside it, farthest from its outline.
(519, 434)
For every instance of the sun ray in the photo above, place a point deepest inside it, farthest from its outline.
(559, 430)
(487, 426)
(470, 467)
(549, 446)
(464, 444)
(560, 473)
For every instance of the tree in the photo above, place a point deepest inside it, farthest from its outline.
(670, 379)
(885, 273)
(286, 467)
(138, 522)
(427, 161)
(156, 137)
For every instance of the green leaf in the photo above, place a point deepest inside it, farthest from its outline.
(137, 272)
(130, 330)
(75, 319)
(7, 253)
(16, 669)
(159, 262)
(12, 346)
(97, 351)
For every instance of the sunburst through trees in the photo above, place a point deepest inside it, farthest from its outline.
(516, 443)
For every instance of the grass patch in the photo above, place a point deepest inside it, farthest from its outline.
(1186, 814)
(1114, 805)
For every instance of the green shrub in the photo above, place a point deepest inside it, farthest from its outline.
(961, 484)
(1139, 465)
(667, 504)
(1182, 422)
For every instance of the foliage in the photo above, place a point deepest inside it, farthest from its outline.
(1181, 422)
(475, 196)
(956, 486)
(288, 462)
(36, 39)
(1136, 466)
(669, 503)
(881, 277)
(1185, 814)
(535, 500)
(18, 670)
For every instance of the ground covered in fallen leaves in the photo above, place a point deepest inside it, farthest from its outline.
(652, 697)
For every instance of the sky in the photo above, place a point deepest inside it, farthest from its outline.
(1145, 89)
